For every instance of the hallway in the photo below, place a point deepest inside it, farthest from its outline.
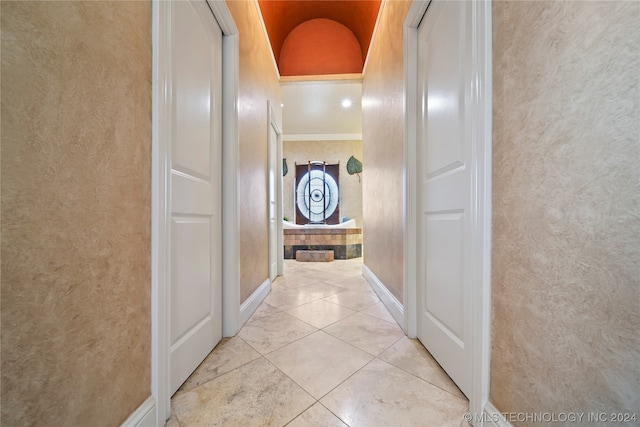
(321, 350)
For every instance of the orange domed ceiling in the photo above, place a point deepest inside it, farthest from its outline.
(310, 41)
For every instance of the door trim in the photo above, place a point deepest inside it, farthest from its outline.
(273, 123)
(481, 171)
(230, 169)
(161, 132)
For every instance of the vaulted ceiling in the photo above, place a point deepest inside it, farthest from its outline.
(314, 37)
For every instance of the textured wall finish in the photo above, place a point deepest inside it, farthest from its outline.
(566, 204)
(258, 83)
(76, 147)
(331, 152)
(382, 134)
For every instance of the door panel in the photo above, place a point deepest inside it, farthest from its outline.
(191, 195)
(443, 257)
(444, 100)
(445, 197)
(195, 192)
(190, 269)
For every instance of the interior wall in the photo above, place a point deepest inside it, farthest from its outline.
(566, 235)
(259, 83)
(382, 149)
(332, 152)
(75, 206)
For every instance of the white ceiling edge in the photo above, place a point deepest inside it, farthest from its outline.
(316, 78)
(323, 137)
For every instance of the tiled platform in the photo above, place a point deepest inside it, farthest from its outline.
(346, 243)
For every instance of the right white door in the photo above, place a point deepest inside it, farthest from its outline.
(445, 188)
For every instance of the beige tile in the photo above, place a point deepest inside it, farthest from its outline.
(349, 267)
(284, 299)
(308, 363)
(317, 416)
(256, 394)
(366, 332)
(229, 354)
(317, 275)
(320, 313)
(356, 284)
(411, 356)
(321, 290)
(262, 311)
(271, 333)
(291, 281)
(380, 311)
(383, 395)
(354, 300)
(319, 362)
(173, 421)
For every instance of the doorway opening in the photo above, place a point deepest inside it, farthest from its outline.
(322, 134)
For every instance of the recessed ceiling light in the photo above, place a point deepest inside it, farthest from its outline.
(346, 103)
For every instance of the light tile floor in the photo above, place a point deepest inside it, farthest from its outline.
(321, 350)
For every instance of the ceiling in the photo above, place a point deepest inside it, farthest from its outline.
(312, 110)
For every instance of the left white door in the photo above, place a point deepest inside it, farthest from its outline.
(194, 242)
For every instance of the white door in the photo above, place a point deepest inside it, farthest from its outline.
(273, 229)
(445, 188)
(195, 191)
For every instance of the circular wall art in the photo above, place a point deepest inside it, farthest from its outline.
(314, 203)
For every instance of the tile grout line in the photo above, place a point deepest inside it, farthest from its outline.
(416, 376)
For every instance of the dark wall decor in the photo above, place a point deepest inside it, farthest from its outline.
(317, 198)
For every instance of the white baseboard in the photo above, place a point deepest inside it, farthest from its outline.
(251, 304)
(493, 418)
(394, 306)
(144, 416)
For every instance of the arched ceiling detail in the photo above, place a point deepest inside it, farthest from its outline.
(282, 16)
(320, 46)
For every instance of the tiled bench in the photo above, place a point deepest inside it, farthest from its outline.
(314, 256)
(346, 243)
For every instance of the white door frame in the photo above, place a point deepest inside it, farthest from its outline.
(273, 123)
(161, 132)
(481, 172)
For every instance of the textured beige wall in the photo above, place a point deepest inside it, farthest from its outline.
(258, 83)
(566, 200)
(332, 152)
(76, 146)
(382, 124)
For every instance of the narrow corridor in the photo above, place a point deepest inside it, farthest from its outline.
(321, 350)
